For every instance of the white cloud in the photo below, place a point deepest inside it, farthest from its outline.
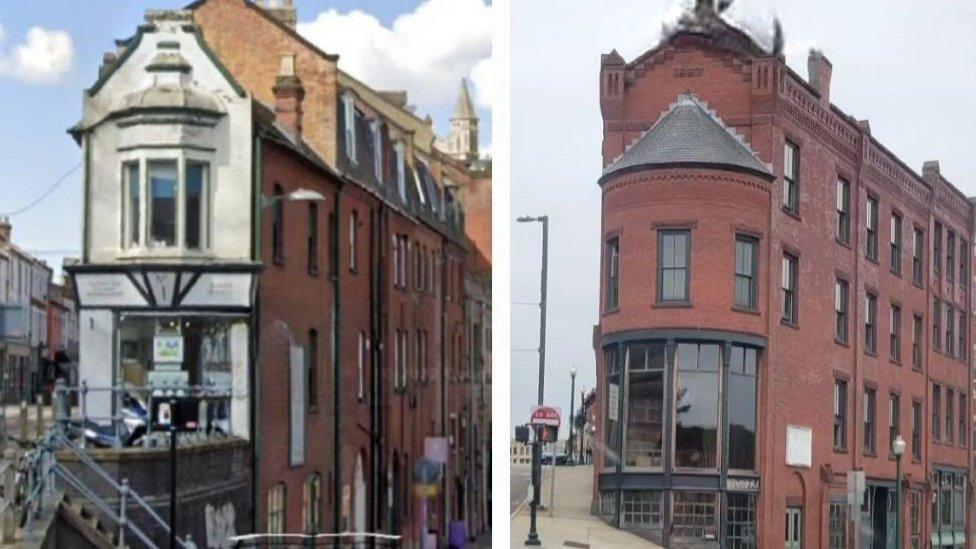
(426, 51)
(484, 79)
(44, 56)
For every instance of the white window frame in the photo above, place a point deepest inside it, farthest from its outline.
(401, 162)
(349, 121)
(375, 128)
(182, 158)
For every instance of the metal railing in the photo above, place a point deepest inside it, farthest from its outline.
(29, 481)
(344, 539)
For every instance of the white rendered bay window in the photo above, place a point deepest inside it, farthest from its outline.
(165, 203)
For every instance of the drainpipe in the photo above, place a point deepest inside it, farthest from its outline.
(257, 154)
(378, 299)
(336, 377)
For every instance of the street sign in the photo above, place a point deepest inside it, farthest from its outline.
(545, 415)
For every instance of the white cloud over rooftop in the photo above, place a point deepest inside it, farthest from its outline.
(44, 55)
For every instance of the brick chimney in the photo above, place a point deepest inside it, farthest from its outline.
(282, 10)
(820, 70)
(5, 229)
(289, 93)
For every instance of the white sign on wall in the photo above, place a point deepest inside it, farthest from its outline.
(296, 454)
(613, 401)
(108, 289)
(799, 446)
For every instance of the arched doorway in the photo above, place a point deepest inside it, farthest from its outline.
(359, 485)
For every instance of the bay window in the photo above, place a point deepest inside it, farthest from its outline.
(170, 207)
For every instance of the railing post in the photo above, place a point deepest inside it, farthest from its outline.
(23, 421)
(123, 496)
(84, 412)
(39, 408)
(8, 519)
(62, 409)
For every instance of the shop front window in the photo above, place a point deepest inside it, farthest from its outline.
(611, 414)
(645, 406)
(174, 351)
(697, 406)
(642, 510)
(694, 516)
(742, 408)
(740, 521)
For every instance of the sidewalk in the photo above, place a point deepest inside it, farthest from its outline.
(571, 525)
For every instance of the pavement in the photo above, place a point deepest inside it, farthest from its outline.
(571, 525)
(519, 478)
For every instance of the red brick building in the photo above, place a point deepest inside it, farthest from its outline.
(370, 282)
(781, 297)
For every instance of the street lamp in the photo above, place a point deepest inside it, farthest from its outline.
(898, 448)
(297, 195)
(572, 410)
(533, 537)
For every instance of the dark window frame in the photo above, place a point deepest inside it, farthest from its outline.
(790, 281)
(278, 226)
(313, 238)
(840, 414)
(936, 405)
(870, 414)
(871, 323)
(751, 301)
(896, 230)
(791, 178)
(841, 310)
(843, 211)
(661, 235)
(871, 225)
(918, 246)
(612, 297)
(894, 421)
(917, 337)
(894, 332)
(950, 255)
(916, 430)
(937, 247)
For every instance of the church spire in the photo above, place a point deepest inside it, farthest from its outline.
(462, 142)
(464, 108)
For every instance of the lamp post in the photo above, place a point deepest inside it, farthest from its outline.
(580, 427)
(898, 448)
(572, 412)
(533, 537)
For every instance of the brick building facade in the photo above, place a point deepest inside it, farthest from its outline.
(781, 297)
(397, 316)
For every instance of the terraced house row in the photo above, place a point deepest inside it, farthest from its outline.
(319, 257)
(782, 299)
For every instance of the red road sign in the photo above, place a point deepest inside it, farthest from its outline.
(545, 415)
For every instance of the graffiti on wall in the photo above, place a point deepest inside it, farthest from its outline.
(220, 525)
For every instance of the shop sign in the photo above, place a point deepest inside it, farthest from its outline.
(167, 349)
(733, 484)
(220, 289)
(107, 290)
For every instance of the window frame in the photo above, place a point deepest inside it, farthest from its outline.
(789, 284)
(937, 247)
(894, 421)
(750, 243)
(871, 323)
(278, 224)
(871, 226)
(354, 241)
(918, 255)
(894, 332)
(349, 125)
(791, 178)
(870, 409)
(950, 269)
(840, 404)
(661, 235)
(313, 239)
(843, 207)
(612, 295)
(841, 310)
(917, 338)
(936, 410)
(896, 242)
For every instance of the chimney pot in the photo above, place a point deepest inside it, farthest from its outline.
(820, 71)
(931, 167)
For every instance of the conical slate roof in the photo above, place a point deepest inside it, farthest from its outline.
(464, 108)
(690, 135)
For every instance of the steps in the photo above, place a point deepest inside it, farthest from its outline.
(76, 514)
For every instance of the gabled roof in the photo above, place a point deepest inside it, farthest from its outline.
(688, 135)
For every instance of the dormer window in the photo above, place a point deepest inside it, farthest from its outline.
(169, 207)
(349, 123)
(401, 168)
(376, 129)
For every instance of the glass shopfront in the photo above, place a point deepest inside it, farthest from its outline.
(689, 418)
(170, 353)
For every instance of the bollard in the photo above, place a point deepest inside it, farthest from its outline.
(8, 518)
(39, 406)
(23, 421)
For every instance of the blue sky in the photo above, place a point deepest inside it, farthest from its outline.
(35, 150)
